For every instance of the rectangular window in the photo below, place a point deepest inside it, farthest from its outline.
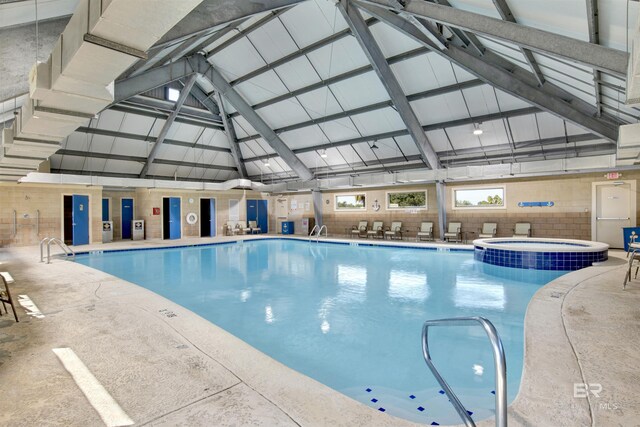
(407, 200)
(351, 202)
(172, 94)
(479, 198)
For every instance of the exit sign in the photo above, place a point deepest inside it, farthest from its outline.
(613, 175)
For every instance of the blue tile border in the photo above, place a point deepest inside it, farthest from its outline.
(332, 242)
(560, 261)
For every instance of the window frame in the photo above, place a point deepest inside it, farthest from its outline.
(423, 208)
(338, 209)
(481, 207)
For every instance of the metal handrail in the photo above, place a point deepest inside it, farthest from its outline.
(498, 358)
(66, 249)
(326, 232)
(315, 227)
(42, 242)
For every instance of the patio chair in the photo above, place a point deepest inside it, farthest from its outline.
(454, 232)
(253, 227)
(395, 231)
(488, 231)
(360, 230)
(377, 230)
(426, 231)
(523, 229)
(5, 295)
(229, 228)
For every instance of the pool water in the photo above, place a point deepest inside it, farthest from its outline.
(351, 316)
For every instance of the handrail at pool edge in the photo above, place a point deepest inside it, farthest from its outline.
(499, 362)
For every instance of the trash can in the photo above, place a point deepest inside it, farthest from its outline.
(137, 229)
(627, 232)
(107, 231)
(287, 227)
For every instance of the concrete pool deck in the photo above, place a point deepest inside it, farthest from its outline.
(164, 365)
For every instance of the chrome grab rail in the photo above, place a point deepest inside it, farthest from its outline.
(42, 242)
(66, 249)
(326, 232)
(498, 358)
(315, 227)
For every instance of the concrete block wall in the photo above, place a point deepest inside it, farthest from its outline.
(26, 199)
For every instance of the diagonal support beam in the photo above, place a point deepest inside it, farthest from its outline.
(599, 57)
(594, 37)
(360, 29)
(234, 98)
(167, 125)
(230, 131)
(511, 80)
(505, 12)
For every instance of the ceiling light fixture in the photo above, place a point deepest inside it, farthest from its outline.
(374, 146)
(323, 154)
(266, 163)
(476, 129)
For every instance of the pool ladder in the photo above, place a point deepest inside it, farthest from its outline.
(48, 240)
(319, 232)
(498, 358)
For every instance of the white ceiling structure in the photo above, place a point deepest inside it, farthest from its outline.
(325, 89)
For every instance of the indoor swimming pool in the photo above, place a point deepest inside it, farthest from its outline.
(351, 316)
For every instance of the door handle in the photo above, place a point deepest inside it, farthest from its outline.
(612, 218)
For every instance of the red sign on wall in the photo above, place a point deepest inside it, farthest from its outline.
(613, 175)
(156, 211)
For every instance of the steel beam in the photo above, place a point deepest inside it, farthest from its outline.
(414, 97)
(402, 132)
(147, 112)
(214, 13)
(230, 131)
(167, 125)
(599, 57)
(505, 75)
(156, 77)
(505, 12)
(360, 29)
(225, 89)
(298, 54)
(594, 37)
(335, 79)
(150, 139)
(138, 159)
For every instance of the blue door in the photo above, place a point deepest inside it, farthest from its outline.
(174, 218)
(257, 211)
(263, 217)
(127, 217)
(105, 209)
(212, 217)
(80, 218)
(252, 210)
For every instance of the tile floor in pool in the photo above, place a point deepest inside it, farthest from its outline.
(166, 366)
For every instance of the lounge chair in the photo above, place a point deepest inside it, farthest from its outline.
(360, 230)
(5, 295)
(488, 230)
(230, 228)
(454, 232)
(395, 231)
(253, 227)
(523, 229)
(426, 231)
(377, 230)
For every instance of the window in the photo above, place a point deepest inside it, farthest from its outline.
(353, 202)
(172, 94)
(407, 200)
(479, 198)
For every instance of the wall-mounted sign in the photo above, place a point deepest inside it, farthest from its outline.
(156, 211)
(613, 175)
(535, 204)
(294, 205)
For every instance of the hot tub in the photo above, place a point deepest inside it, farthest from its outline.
(540, 253)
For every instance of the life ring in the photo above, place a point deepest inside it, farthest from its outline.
(192, 218)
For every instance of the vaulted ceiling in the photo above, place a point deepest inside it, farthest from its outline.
(303, 89)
